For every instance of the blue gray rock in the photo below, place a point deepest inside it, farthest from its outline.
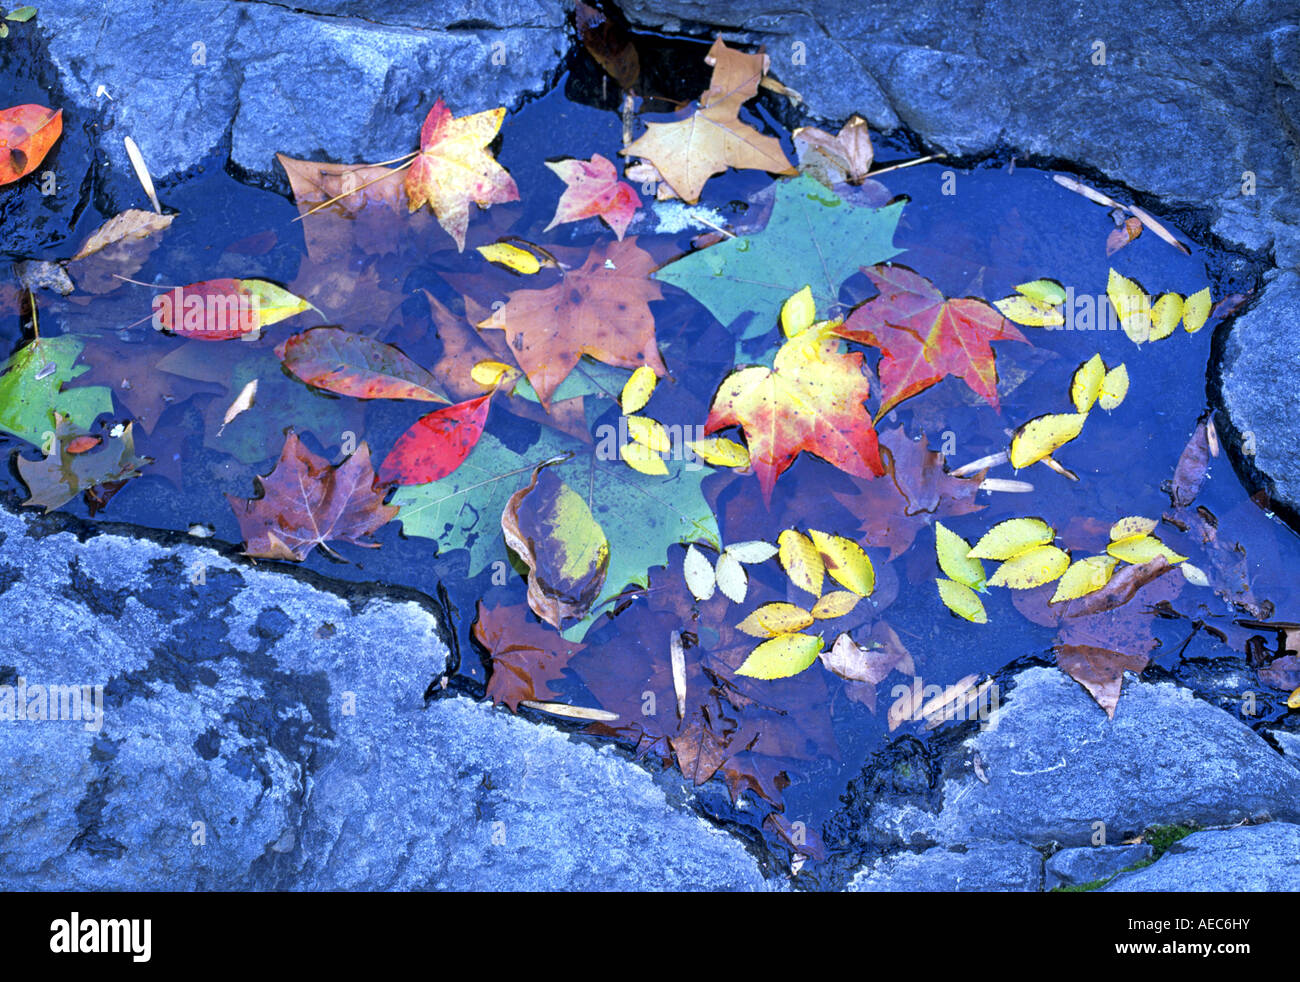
(1086, 864)
(256, 732)
(1256, 858)
(981, 868)
(1056, 767)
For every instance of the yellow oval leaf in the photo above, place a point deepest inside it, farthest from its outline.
(1040, 437)
(1046, 292)
(1196, 311)
(1138, 549)
(720, 452)
(962, 601)
(1028, 313)
(781, 657)
(1086, 384)
(1012, 537)
(1030, 569)
(510, 256)
(492, 373)
(1132, 525)
(638, 389)
(1114, 387)
(772, 619)
(650, 433)
(844, 559)
(1293, 700)
(1084, 577)
(798, 313)
(641, 458)
(835, 604)
(801, 561)
(1165, 315)
(955, 559)
(1132, 305)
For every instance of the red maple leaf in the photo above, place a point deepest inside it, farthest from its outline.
(924, 336)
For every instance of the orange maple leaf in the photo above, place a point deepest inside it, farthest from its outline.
(811, 399)
(690, 151)
(924, 336)
(601, 309)
(454, 168)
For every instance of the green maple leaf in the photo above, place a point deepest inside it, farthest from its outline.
(641, 515)
(28, 403)
(814, 238)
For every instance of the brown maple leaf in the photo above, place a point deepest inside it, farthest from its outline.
(601, 309)
(690, 151)
(526, 655)
(306, 502)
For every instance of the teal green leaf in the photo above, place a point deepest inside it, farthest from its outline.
(28, 403)
(813, 238)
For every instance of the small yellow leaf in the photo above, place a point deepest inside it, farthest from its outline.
(720, 452)
(1196, 311)
(782, 656)
(1132, 305)
(1132, 525)
(1165, 315)
(638, 389)
(1049, 293)
(1139, 549)
(641, 458)
(846, 562)
(955, 559)
(1084, 577)
(699, 574)
(1012, 537)
(772, 619)
(1028, 313)
(801, 561)
(1114, 387)
(733, 581)
(1086, 385)
(492, 373)
(510, 256)
(798, 313)
(1293, 700)
(835, 604)
(962, 601)
(649, 433)
(1030, 569)
(1040, 437)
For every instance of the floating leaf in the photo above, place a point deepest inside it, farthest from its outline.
(732, 579)
(221, 310)
(1086, 384)
(847, 564)
(1028, 313)
(638, 389)
(649, 433)
(436, 444)
(642, 458)
(454, 168)
(594, 189)
(1132, 305)
(962, 601)
(1031, 568)
(698, 571)
(772, 619)
(1013, 537)
(782, 656)
(511, 256)
(798, 313)
(1114, 387)
(1140, 549)
(27, 133)
(73, 467)
(720, 452)
(1041, 436)
(526, 656)
(551, 528)
(752, 552)
(1165, 315)
(834, 604)
(1196, 310)
(1084, 577)
(1132, 525)
(490, 374)
(1046, 292)
(801, 561)
(849, 152)
(32, 390)
(355, 365)
(955, 559)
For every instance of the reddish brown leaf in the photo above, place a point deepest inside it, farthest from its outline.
(355, 365)
(1099, 670)
(1192, 465)
(526, 655)
(436, 444)
(306, 502)
(1123, 235)
(608, 41)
